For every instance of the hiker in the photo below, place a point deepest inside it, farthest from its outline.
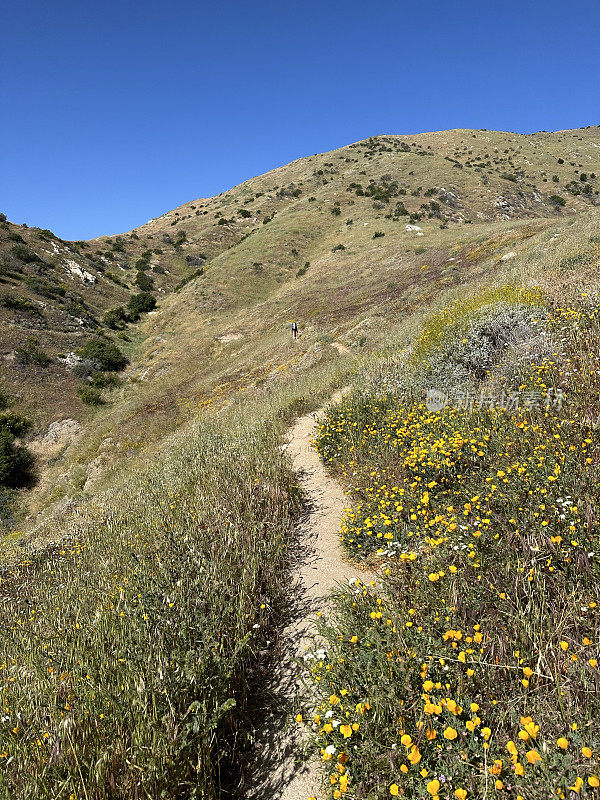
(295, 330)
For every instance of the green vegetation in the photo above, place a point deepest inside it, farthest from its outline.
(18, 303)
(103, 355)
(31, 353)
(139, 304)
(90, 395)
(161, 536)
(164, 599)
(144, 282)
(471, 669)
(116, 318)
(16, 462)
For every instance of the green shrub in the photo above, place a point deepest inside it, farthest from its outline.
(116, 318)
(47, 289)
(115, 279)
(140, 304)
(18, 303)
(144, 282)
(105, 355)
(23, 253)
(16, 462)
(105, 380)
(90, 395)
(557, 200)
(32, 354)
(574, 260)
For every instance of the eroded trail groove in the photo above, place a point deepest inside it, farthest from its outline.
(320, 566)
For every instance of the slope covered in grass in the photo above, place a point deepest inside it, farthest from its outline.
(472, 669)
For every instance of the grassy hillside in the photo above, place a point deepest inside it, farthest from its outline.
(275, 236)
(212, 378)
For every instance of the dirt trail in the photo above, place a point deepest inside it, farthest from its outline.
(321, 565)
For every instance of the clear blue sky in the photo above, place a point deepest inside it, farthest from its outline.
(116, 112)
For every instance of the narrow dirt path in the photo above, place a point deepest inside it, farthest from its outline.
(282, 775)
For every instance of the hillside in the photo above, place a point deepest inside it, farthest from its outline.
(146, 570)
(282, 239)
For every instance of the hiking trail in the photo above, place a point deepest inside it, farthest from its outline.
(281, 775)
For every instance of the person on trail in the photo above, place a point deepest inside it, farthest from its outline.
(295, 330)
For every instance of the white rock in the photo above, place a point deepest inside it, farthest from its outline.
(78, 271)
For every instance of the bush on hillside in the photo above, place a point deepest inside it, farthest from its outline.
(140, 304)
(116, 318)
(90, 395)
(23, 253)
(31, 353)
(18, 303)
(16, 462)
(144, 282)
(104, 355)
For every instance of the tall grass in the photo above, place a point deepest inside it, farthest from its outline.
(124, 654)
(129, 650)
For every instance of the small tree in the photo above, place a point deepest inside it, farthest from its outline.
(140, 304)
(145, 282)
(116, 318)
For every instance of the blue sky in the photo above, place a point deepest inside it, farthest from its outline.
(116, 112)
